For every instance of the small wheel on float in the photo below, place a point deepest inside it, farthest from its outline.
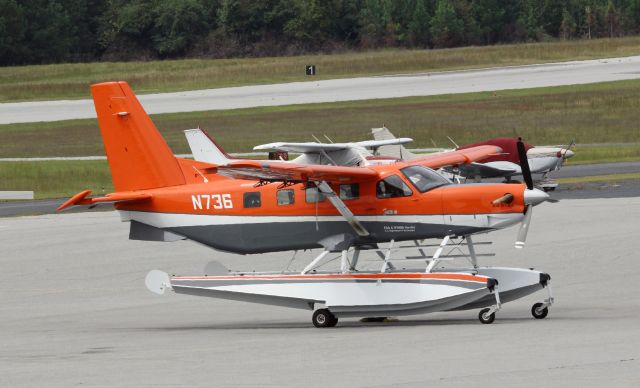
(485, 317)
(538, 311)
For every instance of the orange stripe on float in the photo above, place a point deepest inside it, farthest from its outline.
(471, 278)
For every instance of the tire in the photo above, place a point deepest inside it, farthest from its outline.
(486, 319)
(539, 313)
(323, 318)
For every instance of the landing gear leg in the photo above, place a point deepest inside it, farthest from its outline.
(488, 315)
(323, 318)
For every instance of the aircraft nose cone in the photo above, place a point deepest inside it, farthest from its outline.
(534, 197)
(568, 154)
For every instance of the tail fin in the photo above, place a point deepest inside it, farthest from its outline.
(397, 151)
(138, 156)
(204, 148)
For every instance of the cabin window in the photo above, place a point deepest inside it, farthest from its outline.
(424, 179)
(252, 199)
(312, 195)
(351, 191)
(392, 187)
(285, 197)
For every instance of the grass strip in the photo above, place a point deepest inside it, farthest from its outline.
(56, 179)
(593, 113)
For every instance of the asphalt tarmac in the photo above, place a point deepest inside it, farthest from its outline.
(347, 89)
(75, 312)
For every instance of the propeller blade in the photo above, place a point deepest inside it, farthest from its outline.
(524, 164)
(563, 157)
(524, 228)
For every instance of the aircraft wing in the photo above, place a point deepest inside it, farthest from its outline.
(373, 144)
(456, 157)
(489, 170)
(302, 148)
(292, 172)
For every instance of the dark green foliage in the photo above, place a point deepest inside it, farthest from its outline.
(49, 31)
(447, 26)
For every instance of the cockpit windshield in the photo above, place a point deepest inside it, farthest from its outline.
(424, 179)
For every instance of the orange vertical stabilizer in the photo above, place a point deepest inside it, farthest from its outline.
(138, 156)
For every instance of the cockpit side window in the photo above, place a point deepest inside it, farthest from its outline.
(424, 179)
(313, 195)
(392, 187)
(252, 199)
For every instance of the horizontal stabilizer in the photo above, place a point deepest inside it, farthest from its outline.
(126, 196)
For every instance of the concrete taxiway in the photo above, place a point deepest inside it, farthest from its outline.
(75, 312)
(347, 89)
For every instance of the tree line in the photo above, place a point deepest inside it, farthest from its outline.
(51, 31)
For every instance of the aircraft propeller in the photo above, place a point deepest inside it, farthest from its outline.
(562, 157)
(532, 196)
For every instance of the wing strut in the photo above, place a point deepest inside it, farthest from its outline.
(325, 189)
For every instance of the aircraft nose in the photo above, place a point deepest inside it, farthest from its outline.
(534, 197)
(568, 154)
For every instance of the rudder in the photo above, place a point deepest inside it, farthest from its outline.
(138, 156)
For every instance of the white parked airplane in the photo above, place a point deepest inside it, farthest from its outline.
(205, 149)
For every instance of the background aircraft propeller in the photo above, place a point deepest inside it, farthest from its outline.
(563, 154)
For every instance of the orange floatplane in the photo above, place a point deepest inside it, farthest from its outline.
(257, 206)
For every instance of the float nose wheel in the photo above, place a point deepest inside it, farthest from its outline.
(324, 318)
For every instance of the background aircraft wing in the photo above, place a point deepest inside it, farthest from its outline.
(292, 172)
(457, 157)
(488, 170)
(302, 148)
(374, 144)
